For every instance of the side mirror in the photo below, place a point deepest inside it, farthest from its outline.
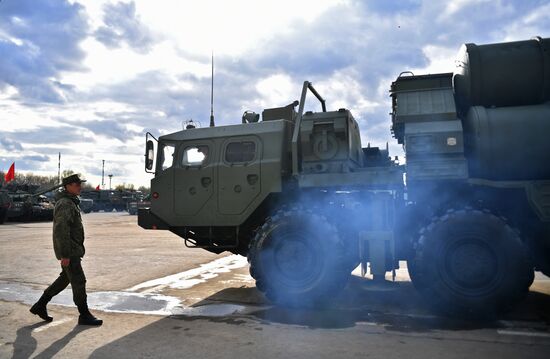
(149, 155)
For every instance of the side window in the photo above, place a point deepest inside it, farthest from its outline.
(237, 152)
(194, 156)
(167, 156)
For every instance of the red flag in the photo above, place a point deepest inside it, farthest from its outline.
(10, 176)
(97, 188)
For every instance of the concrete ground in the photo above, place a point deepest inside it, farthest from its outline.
(161, 299)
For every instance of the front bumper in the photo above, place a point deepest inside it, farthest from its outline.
(147, 220)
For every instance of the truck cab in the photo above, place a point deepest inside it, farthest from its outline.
(215, 186)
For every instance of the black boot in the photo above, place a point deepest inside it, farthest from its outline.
(87, 318)
(39, 308)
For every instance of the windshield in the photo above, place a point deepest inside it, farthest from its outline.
(195, 155)
(166, 156)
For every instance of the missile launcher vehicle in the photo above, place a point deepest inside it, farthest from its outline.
(299, 194)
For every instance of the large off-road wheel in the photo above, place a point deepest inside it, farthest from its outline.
(470, 262)
(298, 259)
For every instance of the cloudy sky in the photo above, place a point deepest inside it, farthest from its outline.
(88, 78)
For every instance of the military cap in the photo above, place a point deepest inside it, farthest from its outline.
(72, 179)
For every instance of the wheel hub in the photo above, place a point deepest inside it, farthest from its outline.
(471, 264)
(295, 261)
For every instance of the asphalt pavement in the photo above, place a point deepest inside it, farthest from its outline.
(160, 299)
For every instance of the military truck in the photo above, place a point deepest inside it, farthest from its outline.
(105, 200)
(300, 196)
(140, 201)
(5, 204)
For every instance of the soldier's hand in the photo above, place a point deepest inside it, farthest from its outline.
(65, 262)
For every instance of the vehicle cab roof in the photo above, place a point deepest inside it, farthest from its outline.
(256, 128)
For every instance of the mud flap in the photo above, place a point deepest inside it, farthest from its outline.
(148, 220)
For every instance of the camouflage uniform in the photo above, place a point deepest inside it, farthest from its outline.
(68, 242)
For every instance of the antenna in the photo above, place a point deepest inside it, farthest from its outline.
(212, 95)
(59, 168)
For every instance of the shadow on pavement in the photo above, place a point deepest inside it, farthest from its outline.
(56, 346)
(397, 307)
(25, 344)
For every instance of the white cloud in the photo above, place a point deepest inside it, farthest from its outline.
(534, 23)
(455, 6)
(352, 50)
(275, 90)
(441, 59)
(227, 27)
(343, 90)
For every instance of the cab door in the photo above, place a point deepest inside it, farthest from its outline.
(193, 177)
(239, 174)
(162, 183)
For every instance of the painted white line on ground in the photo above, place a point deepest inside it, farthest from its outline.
(370, 324)
(414, 316)
(523, 324)
(522, 333)
(192, 277)
(52, 324)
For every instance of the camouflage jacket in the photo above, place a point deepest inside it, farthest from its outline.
(68, 231)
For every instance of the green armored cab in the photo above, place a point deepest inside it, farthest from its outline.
(299, 194)
(283, 191)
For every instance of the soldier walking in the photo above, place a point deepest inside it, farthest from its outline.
(68, 244)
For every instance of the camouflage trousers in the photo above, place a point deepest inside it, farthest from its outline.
(72, 274)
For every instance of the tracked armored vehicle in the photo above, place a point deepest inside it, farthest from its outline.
(27, 207)
(5, 204)
(300, 196)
